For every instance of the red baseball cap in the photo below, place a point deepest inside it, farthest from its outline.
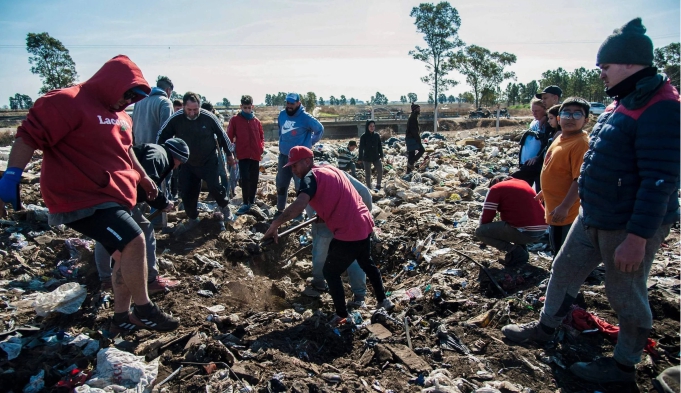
(298, 153)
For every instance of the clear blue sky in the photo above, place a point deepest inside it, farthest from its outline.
(351, 47)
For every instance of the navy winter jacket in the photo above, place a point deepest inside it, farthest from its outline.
(630, 176)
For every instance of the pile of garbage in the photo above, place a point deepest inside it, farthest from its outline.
(246, 327)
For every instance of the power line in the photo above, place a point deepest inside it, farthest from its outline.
(169, 46)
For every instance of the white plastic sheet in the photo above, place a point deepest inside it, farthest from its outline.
(119, 371)
(65, 299)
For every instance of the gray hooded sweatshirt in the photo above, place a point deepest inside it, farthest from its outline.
(149, 116)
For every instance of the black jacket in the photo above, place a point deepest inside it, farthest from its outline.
(199, 135)
(413, 129)
(157, 163)
(370, 147)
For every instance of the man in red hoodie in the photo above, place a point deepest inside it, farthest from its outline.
(245, 130)
(89, 177)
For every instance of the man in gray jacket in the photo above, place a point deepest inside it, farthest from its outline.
(152, 112)
(147, 118)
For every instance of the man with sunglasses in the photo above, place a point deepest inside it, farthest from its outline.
(89, 177)
(628, 187)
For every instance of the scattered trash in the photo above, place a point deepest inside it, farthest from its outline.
(19, 240)
(88, 346)
(37, 213)
(66, 299)
(121, 370)
(205, 293)
(11, 345)
(216, 308)
(36, 384)
(450, 341)
(208, 262)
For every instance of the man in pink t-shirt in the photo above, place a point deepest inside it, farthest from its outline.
(326, 189)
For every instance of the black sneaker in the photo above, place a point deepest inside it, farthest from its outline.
(156, 320)
(123, 326)
(517, 256)
(604, 370)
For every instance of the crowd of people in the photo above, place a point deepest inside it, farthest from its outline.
(606, 197)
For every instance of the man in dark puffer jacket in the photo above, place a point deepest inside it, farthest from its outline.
(628, 189)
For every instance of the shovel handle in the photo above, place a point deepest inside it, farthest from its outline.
(270, 240)
(154, 215)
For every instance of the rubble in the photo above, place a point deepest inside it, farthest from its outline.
(246, 327)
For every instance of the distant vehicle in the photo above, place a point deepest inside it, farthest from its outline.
(597, 108)
(481, 113)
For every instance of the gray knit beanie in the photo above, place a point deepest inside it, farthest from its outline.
(627, 45)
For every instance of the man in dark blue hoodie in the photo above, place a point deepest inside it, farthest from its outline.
(628, 187)
(296, 128)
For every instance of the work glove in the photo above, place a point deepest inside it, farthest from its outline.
(9, 187)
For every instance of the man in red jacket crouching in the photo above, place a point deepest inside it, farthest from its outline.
(89, 177)
(522, 218)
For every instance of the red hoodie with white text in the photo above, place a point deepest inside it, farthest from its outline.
(84, 141)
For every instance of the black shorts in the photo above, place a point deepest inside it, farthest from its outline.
(114, 228)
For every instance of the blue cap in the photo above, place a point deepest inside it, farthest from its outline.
(139, 91)
(292, 98)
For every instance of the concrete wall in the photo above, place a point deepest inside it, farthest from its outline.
(342, 130)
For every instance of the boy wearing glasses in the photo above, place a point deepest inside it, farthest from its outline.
(561, 169)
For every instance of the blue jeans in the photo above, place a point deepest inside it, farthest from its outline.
(103, 258)
(283, 181)
(351, 166)
(321, 238)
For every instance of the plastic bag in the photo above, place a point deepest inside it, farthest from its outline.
(119, 371)
(36, 383)
(88, 346)
(37, 213)
(12, 346)
(65, 299)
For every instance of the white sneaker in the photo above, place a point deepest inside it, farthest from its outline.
(386, 304)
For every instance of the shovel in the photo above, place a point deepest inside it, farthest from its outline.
(270, 240)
